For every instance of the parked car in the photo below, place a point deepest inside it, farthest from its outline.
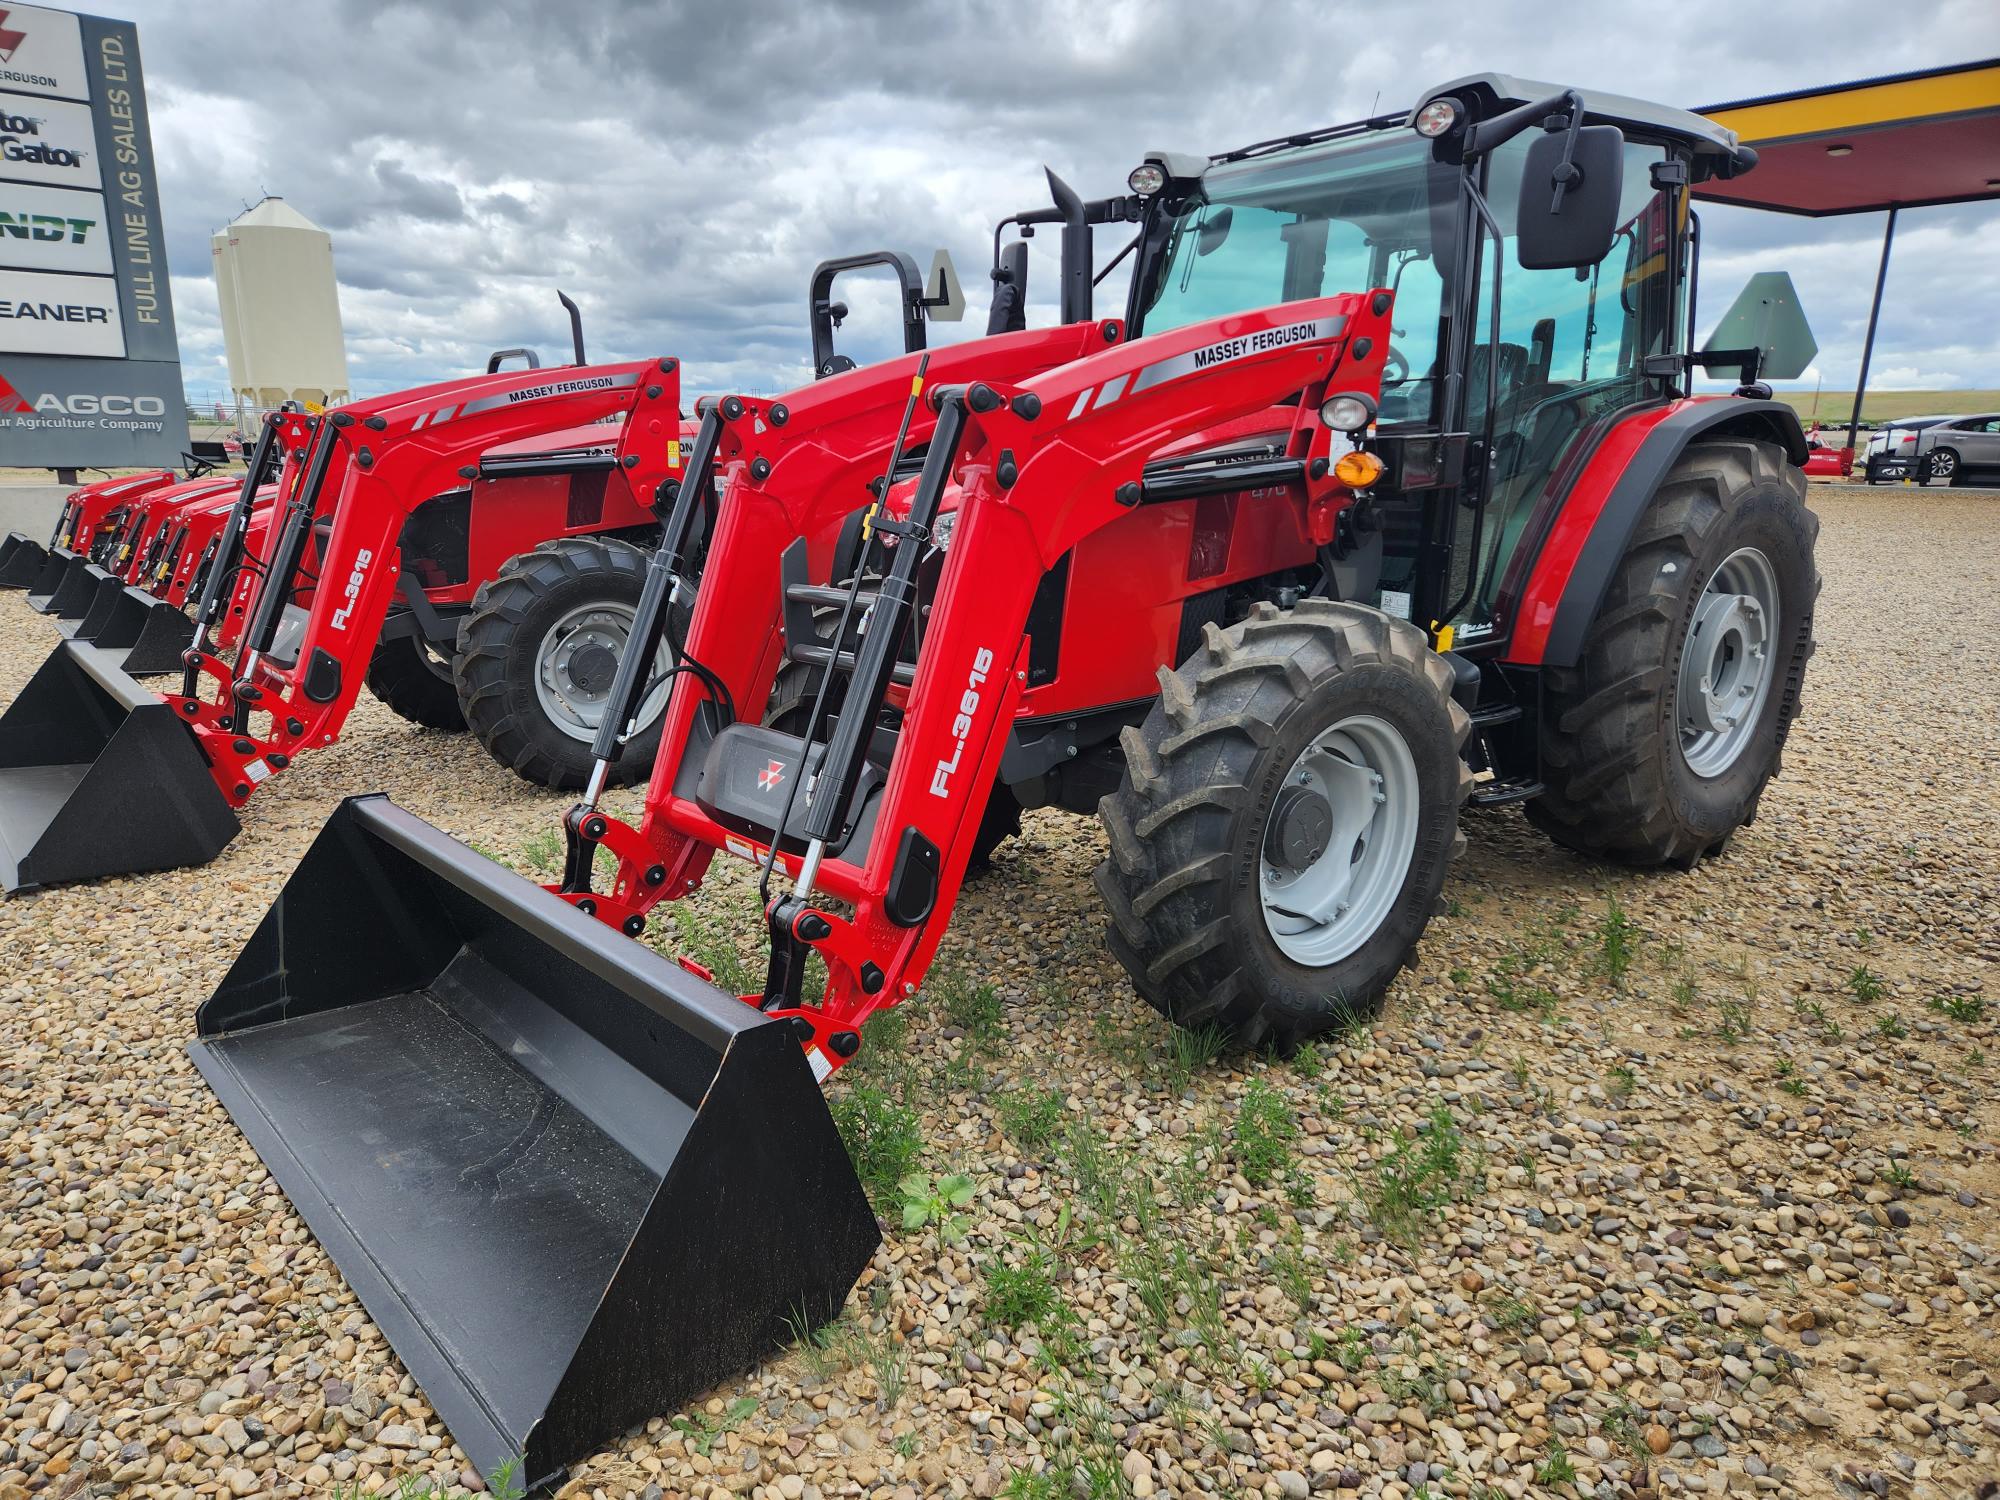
(1960, 450)
(1892, 447)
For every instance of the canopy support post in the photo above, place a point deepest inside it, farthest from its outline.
(1868, 343)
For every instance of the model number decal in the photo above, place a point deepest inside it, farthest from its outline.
(961, 724)
(351, 591)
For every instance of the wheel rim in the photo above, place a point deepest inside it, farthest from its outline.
(577, 662)
(1943, 462)
(1322, 902)
(1726, 663)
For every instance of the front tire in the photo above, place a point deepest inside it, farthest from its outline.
(1309, 755)
(537, 654)
(415, 684)
(1658, 744)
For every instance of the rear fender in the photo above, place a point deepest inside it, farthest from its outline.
(1601, 514)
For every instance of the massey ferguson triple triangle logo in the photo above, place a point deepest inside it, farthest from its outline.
(9, 40)
(770, 776)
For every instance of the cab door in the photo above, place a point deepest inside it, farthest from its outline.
(1570, 355)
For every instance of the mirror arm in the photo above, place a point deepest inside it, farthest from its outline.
(1490, 135)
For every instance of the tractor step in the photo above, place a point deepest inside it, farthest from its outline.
(803, 642)
(1492, 718)
(1499, 793)
(573, 1185)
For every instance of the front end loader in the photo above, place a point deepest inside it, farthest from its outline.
(99, 776)
(1429, 519)
(22, 558)
(485, 969)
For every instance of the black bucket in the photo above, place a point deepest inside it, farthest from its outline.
(147, 634)
(74, 600)
(21, 560)
(99, 777)
(57, 566)
(574, 1185)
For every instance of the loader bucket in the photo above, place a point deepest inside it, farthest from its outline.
(78, 596)
(21, 560)
(148, 634)
(98, 777)
(57, 566)
(574, 1185)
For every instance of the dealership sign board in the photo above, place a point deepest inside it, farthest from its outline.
(89, 367)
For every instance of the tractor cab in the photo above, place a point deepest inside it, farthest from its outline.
(1522, 323)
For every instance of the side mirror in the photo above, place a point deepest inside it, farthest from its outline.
(1214, 230)
(1568, 211)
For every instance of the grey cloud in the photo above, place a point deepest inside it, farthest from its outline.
(679, 168)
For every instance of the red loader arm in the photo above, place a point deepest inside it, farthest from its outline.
(796, 468)
(1041, 465)
(372, 463)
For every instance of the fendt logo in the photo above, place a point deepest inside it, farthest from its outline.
(10, 41)
(49, 229)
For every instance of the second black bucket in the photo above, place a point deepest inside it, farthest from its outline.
(21, 560)
(74, 600)
(146, 634)
(98, 777)
(573, 1184)
(58, 564)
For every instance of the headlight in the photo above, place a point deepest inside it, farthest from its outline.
(1358, 470)
(1436, 118)
(1350, 411)
(1147, 179)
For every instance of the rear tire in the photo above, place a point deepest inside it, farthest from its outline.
(415, 685)
(1628, 777)
(1190, 827)
(502, 659)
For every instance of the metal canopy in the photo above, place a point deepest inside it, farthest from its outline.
(1909, 140)
(1898, 142)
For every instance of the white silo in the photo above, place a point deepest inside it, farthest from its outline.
(280, 308)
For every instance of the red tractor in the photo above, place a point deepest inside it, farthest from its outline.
(1387, 495)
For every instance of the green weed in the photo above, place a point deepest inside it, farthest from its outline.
(884, 1138)
(926, 1203)
(1031, 1117)
(1865, 984)
(1617, 943)
(1022, 1294)
(1265, 1130)
(1417, 1175)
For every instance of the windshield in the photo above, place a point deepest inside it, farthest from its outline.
(1349, 216)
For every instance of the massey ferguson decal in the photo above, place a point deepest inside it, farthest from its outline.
(770, 776)
(528, 393)
(1242, 346)
(961, 724)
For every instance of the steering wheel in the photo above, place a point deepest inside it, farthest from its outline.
(1395, 367)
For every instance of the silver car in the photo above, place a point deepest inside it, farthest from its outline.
(1892, 447)
(1960, 450)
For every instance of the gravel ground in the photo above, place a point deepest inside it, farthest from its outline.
(1643, 1185)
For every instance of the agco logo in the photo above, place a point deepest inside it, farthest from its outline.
(16, 143)
(82, 404)
(10, 40)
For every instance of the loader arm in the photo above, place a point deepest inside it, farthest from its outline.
(371, 465)
(1040, 464)
(796, 468)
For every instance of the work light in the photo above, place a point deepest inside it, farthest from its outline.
(1436, 118)
(1147, 178)
(1350, 411)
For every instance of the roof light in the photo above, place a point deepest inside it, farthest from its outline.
(1436, 118)
(1839, 150)
(1358, 470)
(1350, 411)
(1147, 178)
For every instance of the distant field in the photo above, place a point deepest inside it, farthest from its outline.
(1884, 406)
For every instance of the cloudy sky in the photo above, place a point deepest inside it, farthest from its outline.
(679, 168)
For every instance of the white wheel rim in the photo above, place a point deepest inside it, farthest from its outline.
(572, 682)
(1326, 910)
(1727, 663)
